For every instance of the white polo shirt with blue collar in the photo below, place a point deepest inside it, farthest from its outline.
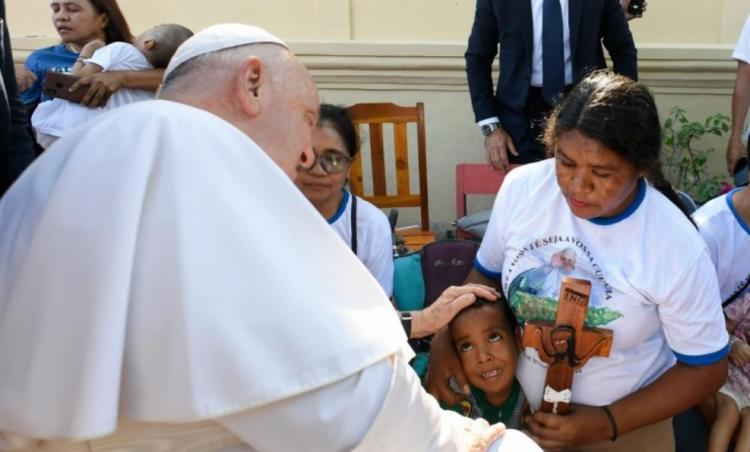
(653, 283)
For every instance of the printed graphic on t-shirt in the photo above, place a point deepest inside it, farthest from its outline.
(536, 272)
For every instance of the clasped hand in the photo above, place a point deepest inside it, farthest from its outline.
(100, 87)
(582, 425)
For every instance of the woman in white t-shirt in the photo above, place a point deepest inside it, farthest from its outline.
(652, 282)
(324, 184)
(724, 223)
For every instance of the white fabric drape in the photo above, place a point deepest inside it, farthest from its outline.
(158, 266)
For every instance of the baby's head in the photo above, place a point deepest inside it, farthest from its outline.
(487, 340)
(161, 42)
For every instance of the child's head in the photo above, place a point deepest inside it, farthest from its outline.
(161, 42)
(487, 340)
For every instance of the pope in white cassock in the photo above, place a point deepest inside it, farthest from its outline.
(164, 285)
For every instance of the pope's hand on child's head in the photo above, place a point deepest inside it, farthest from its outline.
(452, 301)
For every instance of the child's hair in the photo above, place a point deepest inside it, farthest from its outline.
(620, 114)
(168, 38)
(117, 29)
(336, 117)
(501, 304)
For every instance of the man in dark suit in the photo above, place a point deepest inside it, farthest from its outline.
(16, 151)
(537, 64)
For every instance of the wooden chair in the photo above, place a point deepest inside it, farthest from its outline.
(475, 179)
(374, 116)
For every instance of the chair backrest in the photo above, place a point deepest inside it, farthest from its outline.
(420, 277)
(374, 116)
(446, 263)
(476, 178)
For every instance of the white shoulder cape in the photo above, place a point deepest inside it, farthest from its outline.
(158, 266)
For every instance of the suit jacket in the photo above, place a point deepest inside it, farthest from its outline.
(16, 149)
(509, 24)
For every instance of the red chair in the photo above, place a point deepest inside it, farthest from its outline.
(475, 179)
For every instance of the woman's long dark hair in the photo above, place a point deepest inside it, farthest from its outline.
(117, 29)
(620, 114)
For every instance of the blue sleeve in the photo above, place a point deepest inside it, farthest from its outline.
(34, 93)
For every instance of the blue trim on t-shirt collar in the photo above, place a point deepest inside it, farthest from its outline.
(342, 207)
(606, 221)
(702, 360)
(737, 216)
(485, 271)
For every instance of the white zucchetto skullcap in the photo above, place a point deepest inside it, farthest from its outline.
(219, 37)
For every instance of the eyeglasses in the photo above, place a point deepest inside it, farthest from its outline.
(330, 162)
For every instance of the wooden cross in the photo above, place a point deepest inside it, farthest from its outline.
(567, 345)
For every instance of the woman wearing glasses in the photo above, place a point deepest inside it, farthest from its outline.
(324, 184)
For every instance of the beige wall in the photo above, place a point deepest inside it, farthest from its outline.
(406, 51)
(425, 21)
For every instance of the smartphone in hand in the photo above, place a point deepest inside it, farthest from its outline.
(57, 84)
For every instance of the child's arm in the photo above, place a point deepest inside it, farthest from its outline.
(739, 350)
(80, 68)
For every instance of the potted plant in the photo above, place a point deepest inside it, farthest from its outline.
(685, 165)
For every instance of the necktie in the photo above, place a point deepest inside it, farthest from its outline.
(553, 59)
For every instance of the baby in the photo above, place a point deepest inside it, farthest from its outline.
(488, 342)
(151, 49)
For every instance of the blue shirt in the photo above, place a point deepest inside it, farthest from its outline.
(56, 58)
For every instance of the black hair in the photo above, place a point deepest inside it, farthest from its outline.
(501, 304)
(117, 29)
(338, 118)
(168, 38)
(620, 114)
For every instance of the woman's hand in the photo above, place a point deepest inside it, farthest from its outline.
(735, 151)
(444, 363)
(448, 304)
(740, 353)
(24, 77)
(582, 425)
(100, 87)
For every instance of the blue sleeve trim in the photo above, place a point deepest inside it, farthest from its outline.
(737, 216)
(486, 272)
(342, 207)
(702, 360)
(606, 221)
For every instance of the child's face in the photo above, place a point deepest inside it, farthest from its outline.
(488, 349)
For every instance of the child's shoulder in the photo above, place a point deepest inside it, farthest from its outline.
(117, 47)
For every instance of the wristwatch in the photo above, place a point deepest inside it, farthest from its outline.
(489, 128)
(406, 322)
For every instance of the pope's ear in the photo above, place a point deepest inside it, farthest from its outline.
(250, 84)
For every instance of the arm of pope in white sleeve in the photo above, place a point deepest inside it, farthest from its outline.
(365, 412)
